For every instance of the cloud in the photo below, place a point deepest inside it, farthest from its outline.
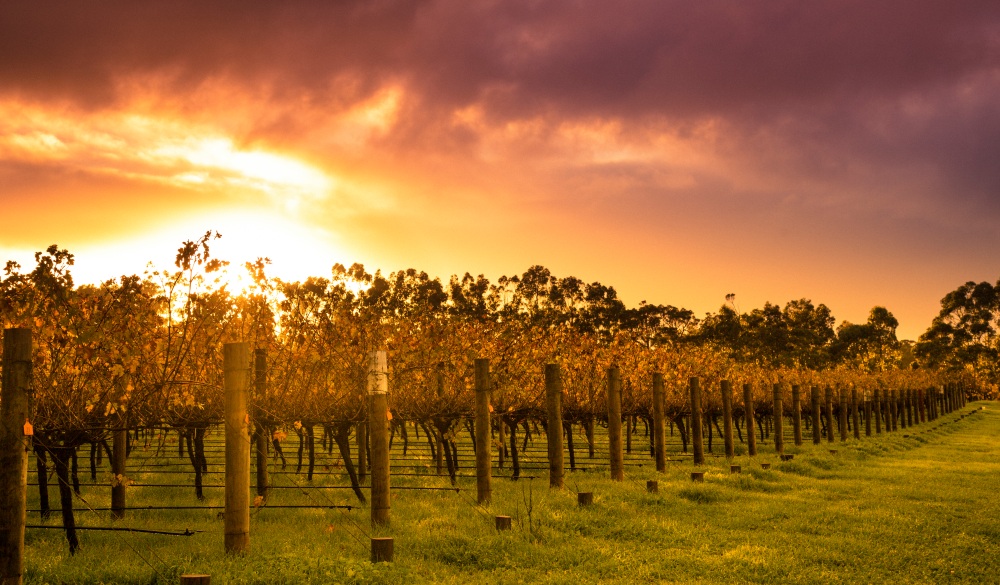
(686, 122)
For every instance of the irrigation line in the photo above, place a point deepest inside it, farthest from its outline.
(187, 532)
(307, 493)
(129, 545)
(280, 506)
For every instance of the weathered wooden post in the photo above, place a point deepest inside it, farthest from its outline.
(261, 434)
(866, 412)
(748, 418)
(779, 439)
(16, 412)
(484, 490)
(892, 410)
(829, 414)
(696, 416)
(378, 430)
(554, 429)
(727, 417)
(119, 449)
(842, 413)
(855, 419)
(614, 400)
(236, 377)
(814, 415)
(877, 414)
(797, 414)
(659, 431)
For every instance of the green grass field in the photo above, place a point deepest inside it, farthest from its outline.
(887, 509)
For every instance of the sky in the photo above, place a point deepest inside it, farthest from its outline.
(840, 151)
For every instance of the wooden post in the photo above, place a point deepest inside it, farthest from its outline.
(554, 428)
(659, 431)
(483, 457)
(16, 412)
(892, 410)
(236, 378)
(196, 580)
(854, 412)
(814, 415)
(378, 431)
(261, 435)
(842, 413)
(921, 406)
(727, 417)
(829, 414)
(696, 416)
(614, 399)
(502, 522)
(779, 439)
(119, 448)
(877, 412)
(797, 414)
(868, 416)
(748, 417)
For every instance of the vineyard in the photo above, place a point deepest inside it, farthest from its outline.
(514, 376)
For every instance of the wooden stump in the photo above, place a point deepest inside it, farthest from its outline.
(788, 457)
(697, 476)
(765, 466)
(735, 469)
(652, 486)
(585, 498)
(382, 550)
(833, 451)
(196, 579)
(503, 522)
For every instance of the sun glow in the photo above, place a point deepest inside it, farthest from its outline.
(296, 250)
(285, 179)
(157, 150)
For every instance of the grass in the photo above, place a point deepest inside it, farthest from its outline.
(881, 510)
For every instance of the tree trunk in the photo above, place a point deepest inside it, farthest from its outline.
(515, 462)
(311, 443)
(61, 456)
(343, 439)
